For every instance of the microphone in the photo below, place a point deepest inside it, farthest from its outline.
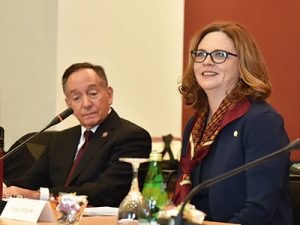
(178, 220)
(60, 117)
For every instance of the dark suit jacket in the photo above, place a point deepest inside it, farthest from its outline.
(18, 162)
(258, 196)
(100, 175)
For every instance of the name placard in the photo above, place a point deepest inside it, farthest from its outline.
(29, 210)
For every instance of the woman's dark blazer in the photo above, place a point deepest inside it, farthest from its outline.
(258, 196)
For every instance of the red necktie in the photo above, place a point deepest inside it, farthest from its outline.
(87, 136)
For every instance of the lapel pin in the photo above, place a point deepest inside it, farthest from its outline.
(104, 134)
(235, 133)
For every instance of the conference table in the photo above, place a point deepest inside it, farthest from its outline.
(92, 220)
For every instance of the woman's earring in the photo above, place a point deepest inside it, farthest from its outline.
(240, 82)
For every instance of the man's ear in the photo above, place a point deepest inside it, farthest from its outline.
(110, 92)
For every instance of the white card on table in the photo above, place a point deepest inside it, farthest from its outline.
(29, 210)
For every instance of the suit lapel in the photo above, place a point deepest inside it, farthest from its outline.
(99, 138)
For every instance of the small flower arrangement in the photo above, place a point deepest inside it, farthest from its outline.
(69, 207)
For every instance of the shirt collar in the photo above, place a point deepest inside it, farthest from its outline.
(93, 129)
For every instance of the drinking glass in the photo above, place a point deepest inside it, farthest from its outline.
(133, 209)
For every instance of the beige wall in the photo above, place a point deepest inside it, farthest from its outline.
(28, 65)
(139, 43)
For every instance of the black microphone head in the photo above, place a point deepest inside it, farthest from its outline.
(69, 111)
(294, 144)
(60, 117)
(1, 137)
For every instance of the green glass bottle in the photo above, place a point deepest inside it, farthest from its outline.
(154, 190)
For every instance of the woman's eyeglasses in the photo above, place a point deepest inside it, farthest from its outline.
(217, 56)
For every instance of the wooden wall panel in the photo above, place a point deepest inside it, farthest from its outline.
(275, 25)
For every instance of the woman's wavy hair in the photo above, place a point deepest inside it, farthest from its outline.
(253, 83)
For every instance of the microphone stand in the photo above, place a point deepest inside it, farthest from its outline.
(179, 218)
(55, 121)
(21, 144)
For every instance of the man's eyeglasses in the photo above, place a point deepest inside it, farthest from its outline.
(217, 56)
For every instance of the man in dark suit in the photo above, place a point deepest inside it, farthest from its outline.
(99, 174)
